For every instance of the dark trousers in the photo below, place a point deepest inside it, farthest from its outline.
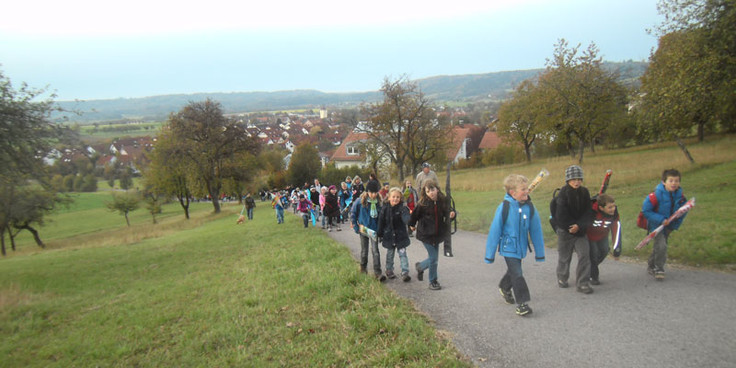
(514, 280)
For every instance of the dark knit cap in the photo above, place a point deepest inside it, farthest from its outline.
(373, 186)
(573, 172)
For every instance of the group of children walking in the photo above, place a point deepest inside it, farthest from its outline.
(582, 225)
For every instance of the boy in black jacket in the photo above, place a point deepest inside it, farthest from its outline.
(573, 216)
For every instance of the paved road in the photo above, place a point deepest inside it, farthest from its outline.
(687, 320)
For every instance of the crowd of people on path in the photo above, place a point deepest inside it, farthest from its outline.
(390, 216)
(582, 224)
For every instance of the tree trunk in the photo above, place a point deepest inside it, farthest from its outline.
(701, 132)
(2, 242)
(35, 235)
(581, 151)
(528, 151)
(684, 150)
(127, 221)
(184, 202)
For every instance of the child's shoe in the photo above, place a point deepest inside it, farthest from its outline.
(330, 229)
(420, 272)
(507, 296)
(380, 277)
(434, 285)
(390, 274)
(659, 275)
(338, 228)
(523, 309)
(562, 284)
(594, 281)
(585, 289)
(405, 277)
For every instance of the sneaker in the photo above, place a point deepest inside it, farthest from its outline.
(562, 284)
(507, 296)
(390, 274)
(405, 277)
(363, 269)
(650, 271)
(585, 289)
(659, 275)
(420, 272)
(329, 230)
(434, 285)
(523, 309)
(380, 277)
(594, 281)
(339, 229)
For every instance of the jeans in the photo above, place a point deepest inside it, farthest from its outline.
(659, 251)
(280, 214)
(250, 213)
(403, 259)
(598, 252)
(305, 217)
(566, 243)
(364, 240)
(431, 262)
(514, 280)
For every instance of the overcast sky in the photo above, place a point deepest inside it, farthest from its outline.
(91, 49)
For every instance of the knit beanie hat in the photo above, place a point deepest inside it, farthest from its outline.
(373, 186)
(573, 172)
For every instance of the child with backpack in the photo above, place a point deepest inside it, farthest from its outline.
(668, 197)
(514, 222)
(572, 217)
(365, 214)
(393, 233)
(305, 208)
(331, 208)
(605, 220)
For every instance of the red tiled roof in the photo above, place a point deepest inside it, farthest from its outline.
(490, 140)
(341, 153)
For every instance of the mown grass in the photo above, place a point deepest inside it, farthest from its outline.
(707, 236)
(209, 294)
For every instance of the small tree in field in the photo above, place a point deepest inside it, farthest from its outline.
(124, 203)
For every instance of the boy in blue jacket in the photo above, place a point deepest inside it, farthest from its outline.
(510, 235)
(669, 200)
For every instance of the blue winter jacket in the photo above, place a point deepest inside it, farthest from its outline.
(362, 216)
(667, 204)
(513, 240)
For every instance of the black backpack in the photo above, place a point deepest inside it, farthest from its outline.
(553, 210)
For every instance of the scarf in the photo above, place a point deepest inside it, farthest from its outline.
(374, 209)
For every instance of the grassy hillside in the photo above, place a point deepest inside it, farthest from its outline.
(707, 236)
(201, 293)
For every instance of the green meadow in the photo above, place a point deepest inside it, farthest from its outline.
(208, 292)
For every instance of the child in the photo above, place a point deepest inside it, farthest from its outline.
(573, 216)
(605, 219)
(305, 208)
(430, 221)
(410, 197)
(669, 200)
(392, 229)
(279, 207)
(365, 213)
(508, 234)
(332, 208)
(322, 197)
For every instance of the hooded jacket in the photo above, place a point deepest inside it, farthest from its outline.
(513, 239)
(431, 220)
(667, 204)
(573, 207)
(392, 226)
(602, 222)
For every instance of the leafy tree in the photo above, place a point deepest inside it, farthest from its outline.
(690, 84)
(404, 127)
(519, 117)
(582, 98)
(26, 137)
(167, 173)
(304, 165)
(124, 203)
(210, 144)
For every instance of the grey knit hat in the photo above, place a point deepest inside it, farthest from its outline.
(373, 186)
(573, 172)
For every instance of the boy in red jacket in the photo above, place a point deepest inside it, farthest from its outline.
(605, 218)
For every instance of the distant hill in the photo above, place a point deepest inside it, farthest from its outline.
(470, 87)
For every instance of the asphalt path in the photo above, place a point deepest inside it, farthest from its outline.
(631, 320)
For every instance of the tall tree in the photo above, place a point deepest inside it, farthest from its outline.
(690, 84)
(304, 165)
(404, 127)
(584, 98)
(27, 136)
(519, 117)
(210, 143)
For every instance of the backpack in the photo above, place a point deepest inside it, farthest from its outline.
(505, 215)
(553, 210)
(641, 220)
